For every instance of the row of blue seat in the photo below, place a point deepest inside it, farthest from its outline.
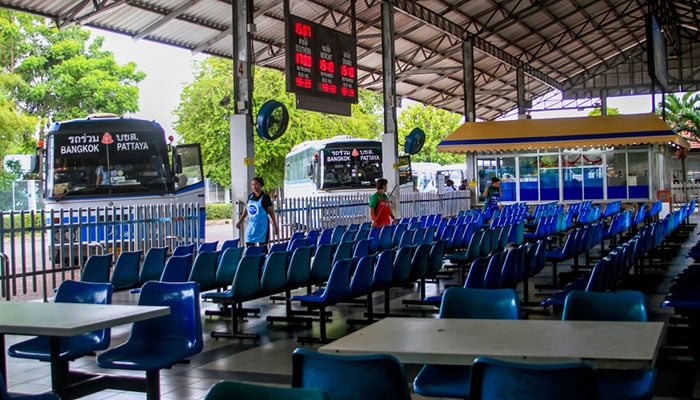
(153, 344)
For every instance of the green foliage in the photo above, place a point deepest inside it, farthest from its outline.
(61, 74)
(683, 114)
(437, 124)
(203, 117)
(596, 112)
(218, 211)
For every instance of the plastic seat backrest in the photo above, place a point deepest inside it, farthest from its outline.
(492, 276)
(361, 279)
(343, 250)
(325, 237)
(497, 379)
(337, 234)
(385, 237)
(273, 276)
(153, 264)
(374, 377)
(361, 248)
(420, 261)
(475, 276)
(605, 306)
(437, 253)
(204, 270)
(474, 246)
(254, 250)
(97, 268)
(208, 246)
(401, 270)
(228, 262)
(126, 270)
(338, 285)
(299, 268)
(232, 390)
(278, 247)
(246, 283)
(184, 249)
(383, 271)
(180, 332)
(321, 264)
(398, 233)
(176, 269)
(512, 269)
(459, 302)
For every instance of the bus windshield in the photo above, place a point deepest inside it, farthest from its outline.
(354, 165)
(85, 161)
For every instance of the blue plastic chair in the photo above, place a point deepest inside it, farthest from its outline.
(337, 288)
(453, 380)
(5, 395)
(204, 270)
(71, 347)
(226, 269)
(185, 250)
(176, 269)
(493, 379)
(321, 264)
(161, 342)
(232, 390)
(245, 286)
(153, 264)
(370, 377)
(126, 270)
(97, 268)
(208, 246)
(614, 306)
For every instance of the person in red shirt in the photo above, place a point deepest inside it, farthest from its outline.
(379, 206)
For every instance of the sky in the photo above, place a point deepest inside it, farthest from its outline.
(170, 68)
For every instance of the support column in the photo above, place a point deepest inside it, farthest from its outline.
(469, 86)
(389, 139)
(520, 87)
(603, 102)
(241, 129)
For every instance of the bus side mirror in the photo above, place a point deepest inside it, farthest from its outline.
(177, 163)
(310, 169)
(34, 164)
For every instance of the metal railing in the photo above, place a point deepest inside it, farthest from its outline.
(319, 212)
(40, 249)
(43, 248)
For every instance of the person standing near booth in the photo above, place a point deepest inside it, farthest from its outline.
(380, 207)
(492, 193)
(260, 213)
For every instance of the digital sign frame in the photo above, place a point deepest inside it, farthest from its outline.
(320, 62)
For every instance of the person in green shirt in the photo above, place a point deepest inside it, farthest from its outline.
(492, 193)
(379, 206)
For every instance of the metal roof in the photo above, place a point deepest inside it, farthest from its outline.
(577, 46)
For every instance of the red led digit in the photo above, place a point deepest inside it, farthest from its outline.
(302, 29)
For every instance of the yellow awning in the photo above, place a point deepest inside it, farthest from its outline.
(565, 133)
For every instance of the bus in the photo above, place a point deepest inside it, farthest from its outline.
(116, 162)
(340, 164)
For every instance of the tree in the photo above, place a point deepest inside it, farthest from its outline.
(437, 124)
(62, 73)
(202, 116)
(683, 114)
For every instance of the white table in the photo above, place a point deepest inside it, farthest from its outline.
(619, 345)
(57, 320)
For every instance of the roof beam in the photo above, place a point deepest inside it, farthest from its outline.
(171, 16)
(410, 7)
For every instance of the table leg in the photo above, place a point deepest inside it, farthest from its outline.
(56, 373)
(3, 366)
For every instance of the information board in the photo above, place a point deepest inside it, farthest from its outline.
(320, 61)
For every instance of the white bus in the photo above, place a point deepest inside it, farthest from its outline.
(340, 164)
(117, 163)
